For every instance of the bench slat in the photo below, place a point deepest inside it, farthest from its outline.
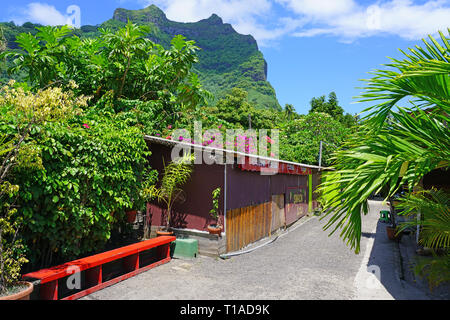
(60, 271)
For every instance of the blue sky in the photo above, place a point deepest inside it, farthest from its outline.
(312, 47)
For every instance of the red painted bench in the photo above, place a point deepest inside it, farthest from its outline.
(81, 277)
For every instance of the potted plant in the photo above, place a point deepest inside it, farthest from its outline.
(131, 216)
(132, 211)
(391, 229)
(215, 228)
(175, 174)
(11, 248)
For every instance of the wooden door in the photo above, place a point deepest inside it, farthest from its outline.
(247, 225)
(278, 214)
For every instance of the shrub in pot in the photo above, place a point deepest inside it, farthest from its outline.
(216, 227)
(12, 253)
(175, 175)
(391, 230)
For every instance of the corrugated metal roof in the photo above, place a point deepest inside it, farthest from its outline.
(237, 153)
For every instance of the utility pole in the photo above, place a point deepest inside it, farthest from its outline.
(249, 121)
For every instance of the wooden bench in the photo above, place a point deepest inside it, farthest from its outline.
(81, 277)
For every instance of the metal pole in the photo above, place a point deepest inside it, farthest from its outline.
(418, 227)
(225, 199)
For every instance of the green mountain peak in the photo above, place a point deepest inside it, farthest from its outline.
(150, 14)
(227, 59)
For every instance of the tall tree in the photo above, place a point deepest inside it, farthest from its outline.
(330, 106)
(289, 110)
(2, 41)
(300, 138)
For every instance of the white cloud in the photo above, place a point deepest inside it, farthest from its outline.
(345, 19)
(350, 20)
(230, 10)
(253, 17)
(270, 20)
(48, 15)
(321, 9)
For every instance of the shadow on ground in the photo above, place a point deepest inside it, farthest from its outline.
(395, 260)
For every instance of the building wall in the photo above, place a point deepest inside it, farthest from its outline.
(193, 213)
(256, 204)
(248, 188)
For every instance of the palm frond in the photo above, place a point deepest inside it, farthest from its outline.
(423, 76)
(401, 153)
(434, 208)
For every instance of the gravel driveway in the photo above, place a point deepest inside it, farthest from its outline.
(302, 264)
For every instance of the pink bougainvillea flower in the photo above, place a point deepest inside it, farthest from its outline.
(169, 127)
(169, 137)
(180, 138)
(220, 126)
(272, 154)
(158, 134)
(86, 126)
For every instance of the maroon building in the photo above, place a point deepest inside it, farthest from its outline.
(252, 205)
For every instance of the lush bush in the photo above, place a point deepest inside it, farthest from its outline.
(300, 138)
(21, 114)
(88, 170)
(122, 61)
(92, 172)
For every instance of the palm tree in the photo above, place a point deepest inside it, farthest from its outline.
(392, 147)
(289, 110)
(175, 175)
(434, 207)
(3, 42)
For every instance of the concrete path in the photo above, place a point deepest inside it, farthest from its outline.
(302, 264)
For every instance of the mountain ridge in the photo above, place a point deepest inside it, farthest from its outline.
(227, 59)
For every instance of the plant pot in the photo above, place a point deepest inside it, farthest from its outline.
(22, 295)
(214, 229)
(391, 233)
(131, 216)
(160, 233)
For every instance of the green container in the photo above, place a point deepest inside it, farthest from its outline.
(384, 215)
(185, 248)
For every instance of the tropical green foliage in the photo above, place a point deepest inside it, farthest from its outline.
(124, 62)
(92, 163)
(92, 172)
(215, 204)
(332, 108)
(226, 59)
(21, 114)
(3, 43)
(434, 206)
(175, 175)
(300, 138)
(300, 135)
(434, 223)
(393, 147)
(236, 109)
(12, 255)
